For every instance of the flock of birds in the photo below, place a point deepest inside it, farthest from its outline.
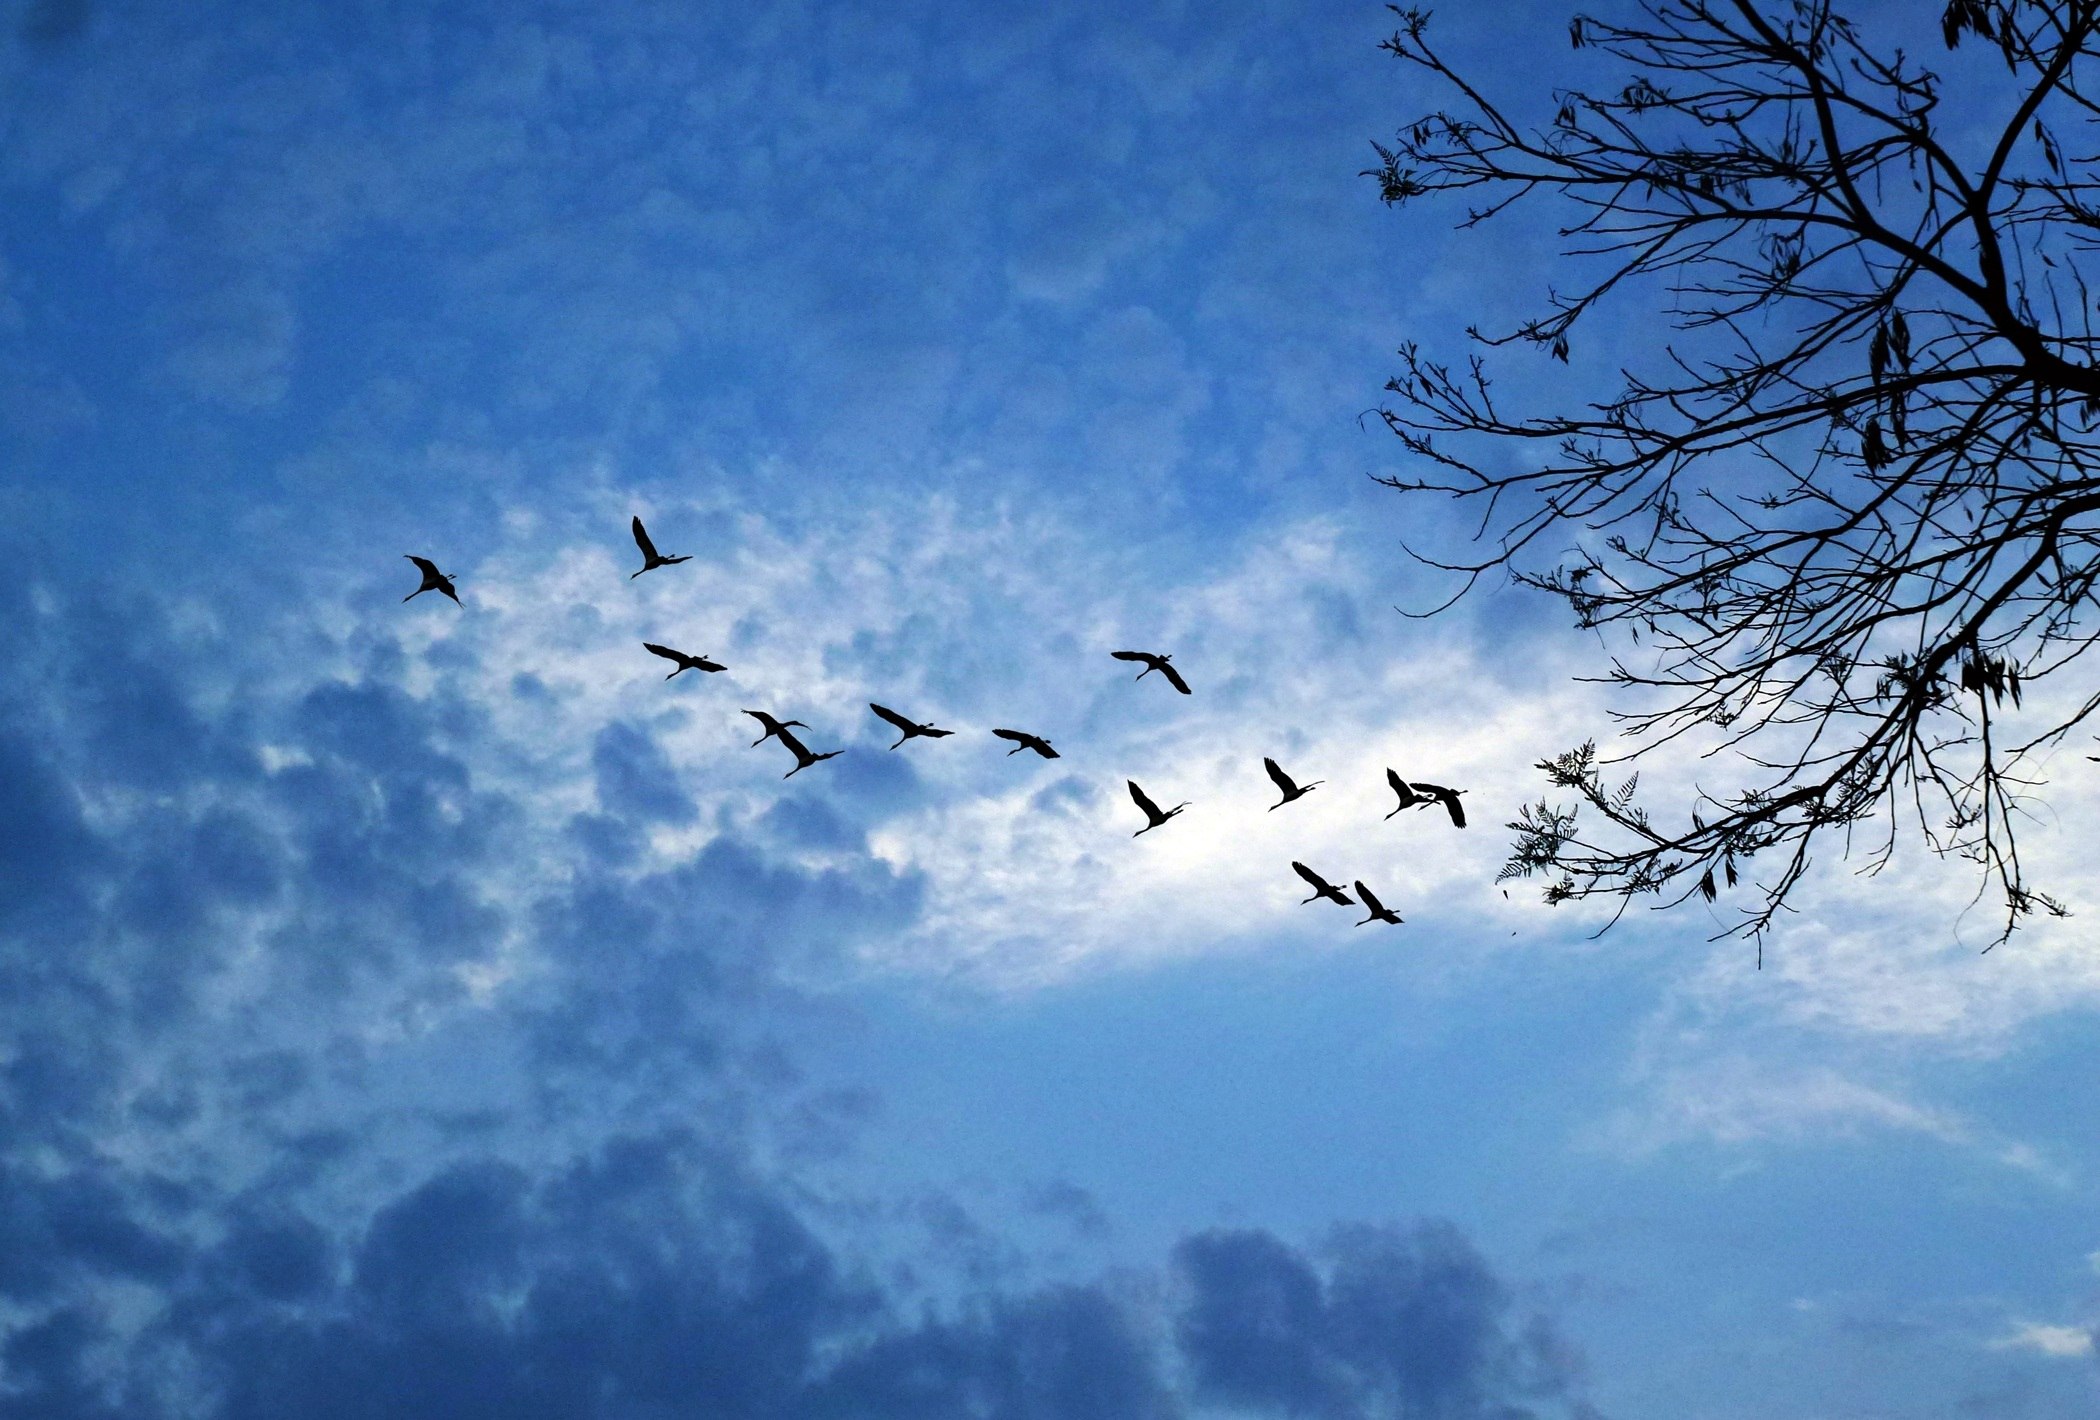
(1412, 793)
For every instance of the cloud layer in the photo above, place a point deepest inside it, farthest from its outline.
(348, 1075)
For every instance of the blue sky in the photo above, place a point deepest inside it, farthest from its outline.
(420, 1010)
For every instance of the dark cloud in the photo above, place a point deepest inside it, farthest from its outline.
(1406, 1322)
(636, 779)
(1065, 1352)
(656, 1276)
(1075, 1205)
(54, 22)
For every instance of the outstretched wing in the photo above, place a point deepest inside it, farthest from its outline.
(1400, 787)
(1131, 655)
(1449, 799)
(641, 540)
(1151, 809)
(1369, 899)
(1174, 678)
(1027, 741)
(892, 716)
(424, 565)
(1283, 780)
(668, 654)
(1318, 883)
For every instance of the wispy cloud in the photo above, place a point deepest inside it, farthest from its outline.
(2046, 1340)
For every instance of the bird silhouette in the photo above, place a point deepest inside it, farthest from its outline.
(1153, 811)
(912, 730)
(1447, 797)
(651, 558)
(1321, 888)
(1023, 740)
(1154, 663)
(685, 662)
(1291, 788)
(433, 580)
(1408, 797)
(803, 758)
(773, 726)
(1378, 910)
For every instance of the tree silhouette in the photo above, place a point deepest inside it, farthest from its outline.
(1847, 510)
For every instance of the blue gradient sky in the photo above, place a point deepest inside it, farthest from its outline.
(419, 1010)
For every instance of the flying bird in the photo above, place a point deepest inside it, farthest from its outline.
(1448, 797)
(1378, 910)
(1321, 888)
(1153, 812)
(1291, 788)
(651, 558)
(911, 729)
(1023, 740)
(1408, 797)
(773, 726)
(685, 662)
(803, 758)
(433, 580)
(1154, 663)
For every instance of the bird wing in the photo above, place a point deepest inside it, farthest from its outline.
(892, 716)
(1283, 780)
(1407, 795)
(423, 565)
(1319, 884)
(1174, 678)
(668, 654)
(1458, 813)
(1151, 809)
(1369, 899)
(1132, 655)
(641, 540)
(1015, 735)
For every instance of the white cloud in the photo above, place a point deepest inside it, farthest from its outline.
(1739, 1100)
(2046, 1340)
(976, 618)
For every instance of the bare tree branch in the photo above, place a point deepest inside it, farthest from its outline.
(1851, 515)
